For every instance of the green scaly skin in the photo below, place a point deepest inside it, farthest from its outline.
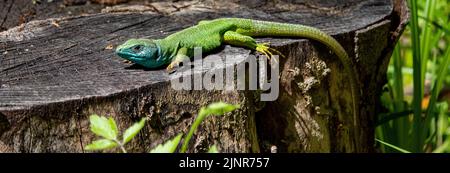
(211, 34)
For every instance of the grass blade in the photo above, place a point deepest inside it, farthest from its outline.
(398, 79)
(426, 37)
(416, 136)
(392, 146)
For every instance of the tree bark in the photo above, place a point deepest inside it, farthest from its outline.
(56, 72)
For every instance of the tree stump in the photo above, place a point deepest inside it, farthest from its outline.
(56, 72)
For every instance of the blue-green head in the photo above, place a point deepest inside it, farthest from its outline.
(144, 52)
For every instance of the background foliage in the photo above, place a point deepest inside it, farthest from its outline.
(416, 98)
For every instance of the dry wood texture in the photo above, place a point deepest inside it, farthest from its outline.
(56, 72)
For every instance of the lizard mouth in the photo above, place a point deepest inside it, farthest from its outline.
(128, 56)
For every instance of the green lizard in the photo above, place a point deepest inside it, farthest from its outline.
(212, 34)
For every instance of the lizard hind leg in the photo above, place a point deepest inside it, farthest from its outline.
(237, 39)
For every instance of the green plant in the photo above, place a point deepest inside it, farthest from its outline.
(418, 122)
(392, 146)
(169, 146)
(107, 129)
(218, 108)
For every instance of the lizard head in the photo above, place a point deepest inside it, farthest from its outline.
(144, 52)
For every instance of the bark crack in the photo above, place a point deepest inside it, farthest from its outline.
(6, 15)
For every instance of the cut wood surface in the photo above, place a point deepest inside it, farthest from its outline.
(56, 72)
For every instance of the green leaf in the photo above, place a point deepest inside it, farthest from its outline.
(101, 145)
(113, 126)
(213, 149)
(169, 146)
(220, 108)
(103, 127)
(133, 131)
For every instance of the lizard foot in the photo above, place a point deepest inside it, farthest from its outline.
(172, 66)
(127, 61)
(267, 51)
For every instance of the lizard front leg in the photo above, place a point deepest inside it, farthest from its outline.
(180, 57)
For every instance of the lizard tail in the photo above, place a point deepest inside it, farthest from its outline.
(266, 28)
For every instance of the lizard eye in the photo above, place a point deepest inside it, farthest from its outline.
(137, 48)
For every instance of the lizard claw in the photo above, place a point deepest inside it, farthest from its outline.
(172, 67)
(127, 61)
(267, 51)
